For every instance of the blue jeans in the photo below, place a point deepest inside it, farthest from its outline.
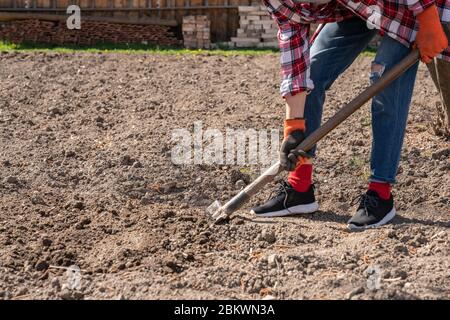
(333, 51)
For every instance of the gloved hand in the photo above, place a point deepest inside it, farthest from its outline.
(431, 39)
(294, 134)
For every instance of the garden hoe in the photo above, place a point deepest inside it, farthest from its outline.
(220, 213)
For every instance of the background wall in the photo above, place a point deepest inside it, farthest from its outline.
(222, 13)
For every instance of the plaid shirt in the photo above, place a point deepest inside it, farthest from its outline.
(395, 18)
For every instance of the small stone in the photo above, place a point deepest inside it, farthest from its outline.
(12, 180)
(37, 200)
(126, 160)
(169, 187)
(82, 224)
(173, 266)
(66, 294)
(441, 154)
(400, 248)
(272, 260)
(77, 295)
(392, 234)
(70, 154)
(147, 199)
(46, 242)
(354, 292)
(55, 283)
(351, 266)
(41, 265)
(407, 285)
(268, 236)
(402, 274)
(240, 184)
(22, 292)
(55, 111)
(168, 214)
(79, 205)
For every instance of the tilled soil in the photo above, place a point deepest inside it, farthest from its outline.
(86, 179)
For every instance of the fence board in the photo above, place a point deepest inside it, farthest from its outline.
(224, 20)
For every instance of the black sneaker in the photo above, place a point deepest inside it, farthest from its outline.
(372, 212)
(287, 202)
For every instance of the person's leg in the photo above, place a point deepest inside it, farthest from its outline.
(389, 117)
(336, 47)
(333, 51)
(390, 111)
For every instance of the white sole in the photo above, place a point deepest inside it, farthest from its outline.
(302, 208)
(383, 221)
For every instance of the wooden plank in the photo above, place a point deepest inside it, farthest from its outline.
(84, 4)
(19, 4)
(198, 10)
(62, 4)
(7, 16)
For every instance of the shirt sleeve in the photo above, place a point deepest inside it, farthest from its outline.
(293, 41)
(416, 6)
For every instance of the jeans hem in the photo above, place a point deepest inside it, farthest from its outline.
(381, 180)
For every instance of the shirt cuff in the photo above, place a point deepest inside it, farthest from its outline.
(293, 85)
(419, 6)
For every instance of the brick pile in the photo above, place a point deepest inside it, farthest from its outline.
(256, 28)
(197, 32)
(91, 32)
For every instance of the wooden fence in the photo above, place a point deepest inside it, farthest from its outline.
(223, 13)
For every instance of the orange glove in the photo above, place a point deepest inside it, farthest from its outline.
(431, 39)
(292, 125)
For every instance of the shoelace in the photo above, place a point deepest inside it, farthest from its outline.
(367, 201)
(283, 187)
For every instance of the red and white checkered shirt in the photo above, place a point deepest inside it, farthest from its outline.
(395, 18)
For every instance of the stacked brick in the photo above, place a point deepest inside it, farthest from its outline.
(91, 32)
(196, 32)
(256, 28)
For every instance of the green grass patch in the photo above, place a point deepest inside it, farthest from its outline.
(132, 49)
(356, 162)
(222, 50)
(369, 52)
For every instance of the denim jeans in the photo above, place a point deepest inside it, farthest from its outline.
(333, 51)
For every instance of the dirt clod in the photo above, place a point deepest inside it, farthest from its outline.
(268, 235)
(12, 180)
(46, 242)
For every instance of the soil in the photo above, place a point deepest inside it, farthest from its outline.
(86, 179)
